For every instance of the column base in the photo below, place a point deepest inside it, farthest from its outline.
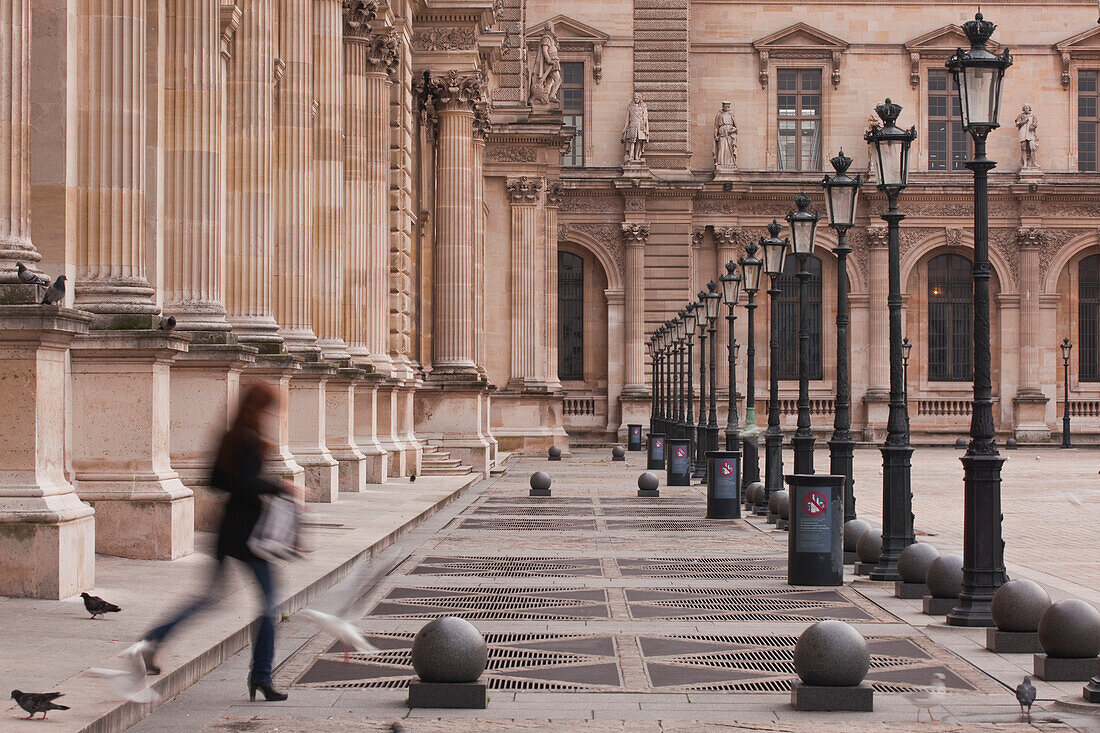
(340, 430)
(450, 414)
(414, 451)
(375, 457)
(528, 422)
(46, 559)
(878, 413)
(635, 410)
(1031, 425)
(387, 424)
(308, 432)
(276, 370)
(143, 520)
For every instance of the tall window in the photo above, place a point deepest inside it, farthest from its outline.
(950, 319)
(572, 104)
(787, 365)
(799, 98)
(1087, 120)
(570, 316)
(1088, 314)
(948, 143)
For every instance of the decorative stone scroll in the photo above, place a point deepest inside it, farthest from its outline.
(357, 16)
(524, 190)
(635, 235)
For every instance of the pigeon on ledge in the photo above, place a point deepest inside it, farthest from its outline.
(55, 293)
(37, 702)
(928, 699)
(28, 277)
(1025, 695)
(97, 606)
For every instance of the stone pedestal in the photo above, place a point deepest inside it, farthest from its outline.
(878, 411)
(939, 606)
(205, 395)
(308, 432)
(1031, 425)
(466, 695)
(1012, 642)
(388, 426)
(120, 456)
(815, 698)
(528, 421)
(406, 405)
(375, 457)
(860, 568)
(635, 409)
(340, 429)
(1056, 669)
(450, 413)
(276, 370)
(47, 535)
(909, 591)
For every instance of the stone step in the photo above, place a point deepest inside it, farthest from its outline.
(445, 471)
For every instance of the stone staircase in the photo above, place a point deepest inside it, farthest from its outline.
(436, 462)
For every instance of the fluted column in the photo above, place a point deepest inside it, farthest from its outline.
(110, 222)
(250, 218)
(481, 132)
(550, 289)
(293, 195)
(454, 96)
(525, 194)
(15, 175)
(878, 337)
(725, 239)
(194, 262)
(1030, 402)
(635, 236)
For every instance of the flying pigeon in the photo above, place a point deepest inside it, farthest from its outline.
(1025, 695)
(28, 277)
(928, 699)
(130, 682)
(55, 293)
(97, 606)
(343, 630)
(37, 702)
(167, 323)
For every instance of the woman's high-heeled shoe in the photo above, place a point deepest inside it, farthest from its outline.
(268, 689)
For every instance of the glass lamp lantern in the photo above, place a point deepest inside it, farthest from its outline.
(775, 250)
(891, 146)
(978, 74)
(1066, 347)
(731, 284)
(841, 193)
(689, 319)
(906, 348)
(803, 225)
(712, 299)
(751, 269)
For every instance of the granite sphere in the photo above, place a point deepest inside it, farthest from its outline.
(554, 452)
(1070, 629)
(853, 530)
(831, 654)
(869, 547)
(759, 493)
(1011, 444)
(773, 502)
(945, 576)
(914, 560)
(783, 505)
(648, 481)
(1018, 605)
(449, 649)
(960, 443)
(618, 451)
(540, 480)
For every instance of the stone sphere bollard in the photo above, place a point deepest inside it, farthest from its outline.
(1011, 444)
(617, 453)
(945, 576)
(960, 443)
(869, 547)
(449, 649)
(1070, 629)
(540, 480)
(773, 501)
(831, 654)
(914, 561)
(784, 505)
(853, 530)
(1018, 605)
(648, 482)
(759, 494)
(554, 453)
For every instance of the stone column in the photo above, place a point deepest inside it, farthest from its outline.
(390, 405)
(480, 134)
(276, 370)
(526, 363)
(329, 233)
(366, 430)
(550, 326)
(878, 337)
(1031, 425)
(725, 240)
(293, 264)
(308, 431)
(635, 236)
(250, 218)
(368, 58)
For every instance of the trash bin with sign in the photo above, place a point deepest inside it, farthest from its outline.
(723, 484)
(815, 550)
(657, 450)
(634, 437)
(679, 463)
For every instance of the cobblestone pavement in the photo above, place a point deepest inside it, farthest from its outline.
(605, 612)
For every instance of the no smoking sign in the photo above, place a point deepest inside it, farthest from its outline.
(815, 504)
(681, 452)
(726, 468)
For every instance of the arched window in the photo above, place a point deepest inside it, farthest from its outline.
(787, 324)
(950, 319)
(1088, 319)
(570, 316)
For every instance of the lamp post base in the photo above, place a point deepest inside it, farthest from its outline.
(773, 462)
(897, 510)
(803, 453)
(841, 459)
(983, 548)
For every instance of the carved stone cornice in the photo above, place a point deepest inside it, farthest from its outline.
(357, 17)
(727, 236)
(553, 193)
(455, 90)
(524, 190)
(635, 234)
(878, 237)
(698, 234)
(444, 39)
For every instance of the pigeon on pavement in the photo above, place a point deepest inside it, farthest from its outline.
(97, 606)
(412, 478)
(928, 699)
(130, 682)
(1025, 695)
(167, 323)
(28, 277)
(56, 292)
(37, 702)
(343, 630)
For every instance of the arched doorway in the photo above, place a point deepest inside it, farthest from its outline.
(583, 336)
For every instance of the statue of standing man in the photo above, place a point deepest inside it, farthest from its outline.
(725, 140)
(636, 130)
(546, 76)
(1027, 126)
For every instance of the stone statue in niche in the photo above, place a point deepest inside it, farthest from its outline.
(725, 141)
(546, 77)
(872, 121)
(1027, 126)
(636, 130)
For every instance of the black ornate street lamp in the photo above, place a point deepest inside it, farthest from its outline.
(666, 378)
(906, 350)
(775, 252)
(678, 334)
(978, 74)
(803, 225)
(1067, 347)
(654, 392)
(701, 429)
(713, 305)
(689, 333)
(751, 269)
(841, 194)
(731, 292)
(891, 149)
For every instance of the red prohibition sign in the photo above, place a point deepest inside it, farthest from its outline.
(726, 468)
(658, 443)
(681, 452)
(816, 503)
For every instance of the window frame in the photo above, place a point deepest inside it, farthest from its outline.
(583, 113)
(951, 117)
(965, 339)
(1094, 120)
(563, 356)
(1091, 377)
(798, 118)
(787, 324)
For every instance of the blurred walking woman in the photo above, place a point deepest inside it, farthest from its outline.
(238, 471)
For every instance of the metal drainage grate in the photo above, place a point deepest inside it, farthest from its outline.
(533, 510)
(674, 525)
(719, 604)
(530, 525)
(518, 499)
(716, 568)
(540, 604)
(655, 511)
(521, 567)
(694, 499)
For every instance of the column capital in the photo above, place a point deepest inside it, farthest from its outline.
(698, 234)
(1031, 238)
(455, 90)
(524, 190)
(878, 237)
(727, 236)
(357, 17)
(635, 234)
(380, 51)
(554, 190)
(482, 125)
